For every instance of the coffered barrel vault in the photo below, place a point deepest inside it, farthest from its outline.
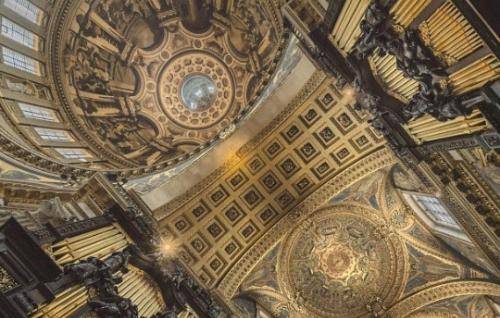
(319, 136)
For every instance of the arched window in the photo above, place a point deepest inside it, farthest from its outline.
(74, 154)
(19, 34)
(435, 210)
(435, 214)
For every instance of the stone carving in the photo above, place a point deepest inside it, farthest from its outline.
(89, 70)
(98, 276)
(435, 95)
(414, 59)
(119, 13)
(251, 30)
(179, 278)
(52, 211)
(7, 282)
(377, 31)
(24, 86)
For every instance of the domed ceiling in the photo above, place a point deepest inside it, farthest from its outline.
(150, 83)
(338, 263)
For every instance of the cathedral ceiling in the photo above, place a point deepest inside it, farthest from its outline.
(364, 254)
(313, 148)
(146, 85)
(338, 260)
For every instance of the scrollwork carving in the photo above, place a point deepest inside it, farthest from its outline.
(7, 282)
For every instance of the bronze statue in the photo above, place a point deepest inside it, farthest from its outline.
(100, 276)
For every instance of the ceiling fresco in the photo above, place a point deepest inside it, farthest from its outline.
(249, 159)
(290, 60)
(339, 261)
(151, 86)
(353, 258)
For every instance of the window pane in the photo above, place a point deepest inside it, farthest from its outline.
(76, 154)
(19, 34)
(53, 134)
(20, 61)
(36, 112)
(25, 9)
(435, 209)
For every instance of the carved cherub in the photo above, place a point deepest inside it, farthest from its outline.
(52, 211)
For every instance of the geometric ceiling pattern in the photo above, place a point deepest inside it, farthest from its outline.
(317, 137)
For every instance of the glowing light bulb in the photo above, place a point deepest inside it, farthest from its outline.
(168, 248)
(349, 92)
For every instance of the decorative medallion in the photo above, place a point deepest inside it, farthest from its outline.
(338, 261)
(196, 90)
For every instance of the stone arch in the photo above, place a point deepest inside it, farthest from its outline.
(419, 300)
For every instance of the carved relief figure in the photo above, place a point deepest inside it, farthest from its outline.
(89, 70)
(53, 211)
(414, 59)
(250, 29)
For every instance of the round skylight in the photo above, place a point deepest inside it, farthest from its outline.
(198, 92)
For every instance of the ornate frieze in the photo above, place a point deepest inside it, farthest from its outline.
(7, 282)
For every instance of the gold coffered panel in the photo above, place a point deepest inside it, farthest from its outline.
(275, 172)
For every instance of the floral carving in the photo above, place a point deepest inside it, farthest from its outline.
(7, 282)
